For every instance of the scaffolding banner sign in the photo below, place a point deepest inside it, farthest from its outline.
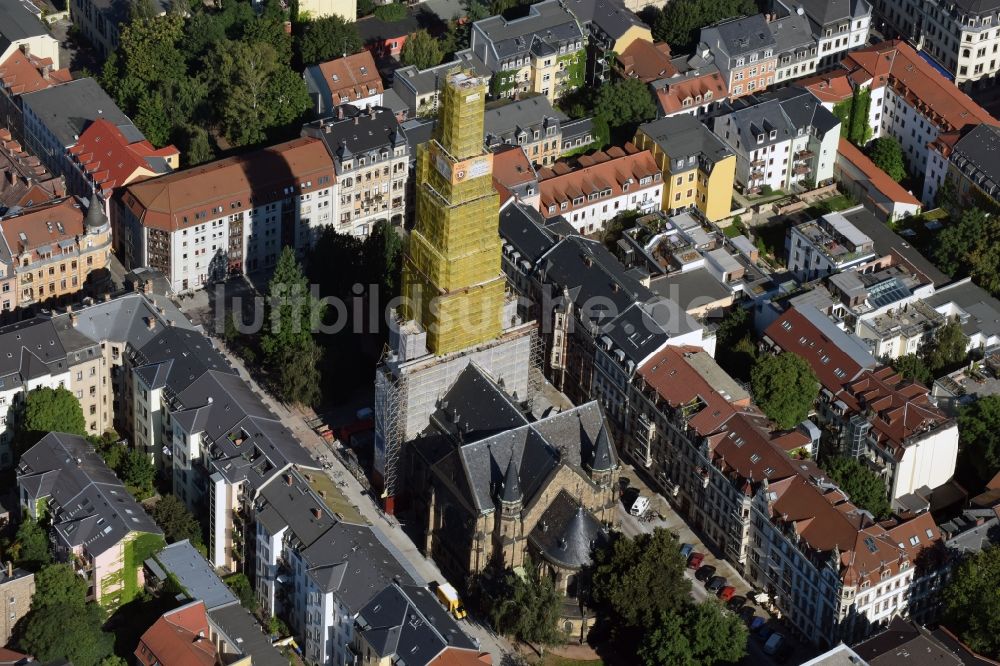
(462, 170)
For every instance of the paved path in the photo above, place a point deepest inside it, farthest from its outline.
(387, 528)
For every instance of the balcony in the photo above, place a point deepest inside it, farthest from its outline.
(756, 173)
(758, 164)
(804, 155)
(802, 169)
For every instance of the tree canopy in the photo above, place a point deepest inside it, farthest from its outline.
(972, 247)
(735, 350)
(48, 410)
(912, 366)
(785, 387)
(887, 155)
(693, 635)
(327, 38)
(137, 473)
(176, 521)
(31, 545)
(421, 50)
(640, 577)
(240, 585)
(527, 607)
(979, 439)
(58, 585)
(290, 350)
(681, 21)
(947, 348)
(625, 101)
(971, 603)
(865, 488)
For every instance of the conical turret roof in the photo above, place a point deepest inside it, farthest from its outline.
(511, 484)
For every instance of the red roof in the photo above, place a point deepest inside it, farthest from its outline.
(602, 172)
(43, 226)
(351, 78)
(695, 90)
(647, 61)
(880, 179)
(22, 74)
(510, 169)
(178, 638)
(108, 157)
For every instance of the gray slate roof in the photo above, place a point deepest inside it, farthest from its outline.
(407, 622)
(978, 155)
(983, 309)
(423, 81)
(502, 124)
(17, 23)
(784, 112)
(739, 36)
(90, 506)
(524, 228)
(195, 574)
(888, 241)
(684, 136)
(68, 109)
(689, 288)
(176, 357)
(240, 628)
(28, 350)
(475, 408)
(609, 16)
(547, 23)
(567, 533)
(372, 132)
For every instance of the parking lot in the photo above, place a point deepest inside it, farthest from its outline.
(661, 514)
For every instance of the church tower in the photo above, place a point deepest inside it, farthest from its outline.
(453, 284)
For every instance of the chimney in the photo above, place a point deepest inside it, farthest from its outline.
(73, 319)
(26, 49)
(151, 323)
(357, 119)
(340, 113)
(10, 569)
(317, 514)
(288, 479)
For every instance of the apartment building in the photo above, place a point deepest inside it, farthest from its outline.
(16, 588)
(231, 216)
(910, 100)
(973, 174)
(21, 29)
(829, 244)
(696, 91)
(530, 123)
(831, 570)
(744, 51)
(798, 53)
(420, 88)
(353, 79)
(108, 157)
(22, 73)
(836, 26)
(371, 156)
(865, 182)
(514, 177)
(316, 571)
(646, 61)
(50, 251)
(782, 140)
(96, 524)
(24, 182)
(974, 307)
(888, 423)
(101, 21)
(425, 633)
(611, 29)
(210, 627)
(961, 37)
(697, 168)
(543, 52)
(601, 186)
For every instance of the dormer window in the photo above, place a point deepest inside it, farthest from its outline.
(760, 138)
(774, 134)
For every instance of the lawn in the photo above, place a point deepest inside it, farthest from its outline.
(334, 499)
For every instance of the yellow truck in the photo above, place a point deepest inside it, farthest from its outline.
(449, 597)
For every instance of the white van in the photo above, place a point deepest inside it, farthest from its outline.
(639, 506)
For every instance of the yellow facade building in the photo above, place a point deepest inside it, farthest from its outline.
(698, 169)
(453, 284)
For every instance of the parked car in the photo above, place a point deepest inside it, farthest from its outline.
(695, 559)
(639, 506)
(736, 603)
(715, 584)
(705, 572)
(726, 593)
(686, 550)
(746, 614)
(757, 623)
(773, 643)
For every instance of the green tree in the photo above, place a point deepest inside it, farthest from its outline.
(636, 578)
(138, 473)
(972, 247)
(48, 410)
(887, 155)
(64, 632)
(140, 10)
(391, 12)
(948, 347)
(57, 585)
(853, 116)
(240, 585)
(971, 602)
(693, 635)
(382, 256)
(176, 521)
(32, 545)
(625, 101)
(245, 87)
(327, 38)
(113, 660)
(979, 439)
(785, 387)
(290, 350)
(912, 366)
(421, 50)
(196, 146)
(681, 20)
(527, 607)
(735, 351)
(865, 488)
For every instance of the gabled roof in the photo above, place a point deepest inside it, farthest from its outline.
(23, 73)
(113, 156)
(547, 22)
(738, 36)
(180, 637)
(28, 350)
(176, 357)
(41, 229)
(684, 136)
(90, 507)
(879, 179)
(605, 173)
(17, 24)
(646, 61)
(68, 110)
(350, 78)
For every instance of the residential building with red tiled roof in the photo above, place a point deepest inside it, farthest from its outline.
(646, 61)
(830, 568)
(106, 158)
(867, 183)
(695, 92)
(181, 637)
(230, 216)
(513, 176)
(353, 79)
(23, 73)
(910, 100)
(601, 186)
(24, 181)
